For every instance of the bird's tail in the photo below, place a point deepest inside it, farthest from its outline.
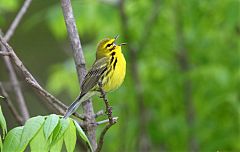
(73, 107)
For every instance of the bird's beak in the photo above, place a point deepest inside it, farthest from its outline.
(115, 38)
(122, 44)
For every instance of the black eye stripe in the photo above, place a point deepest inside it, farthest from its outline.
(109, 45)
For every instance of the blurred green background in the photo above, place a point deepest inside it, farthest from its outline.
(181, 91)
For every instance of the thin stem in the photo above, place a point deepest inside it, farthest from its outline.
(10, 105)
(16, 86)
(101, 138)
(111, 120)
(108, 107)
(99, 113)
(106, 121)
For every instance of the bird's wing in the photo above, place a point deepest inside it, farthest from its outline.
(94, 74)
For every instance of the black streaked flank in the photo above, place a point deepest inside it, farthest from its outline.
(113, 48)
(112, 58)
(114, 64)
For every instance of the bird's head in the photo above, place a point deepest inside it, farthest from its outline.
(107, 46)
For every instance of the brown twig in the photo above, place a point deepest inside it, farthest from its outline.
(111, 120)
(54, 102)
(101, 138)
(10, 105)
(107, 105)
(80, 66)
(17, 20)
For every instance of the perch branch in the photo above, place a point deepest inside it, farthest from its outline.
(111, 120)
(80, 67)
(10, 105)
(54, 102)
(108, 107)
(101, 138)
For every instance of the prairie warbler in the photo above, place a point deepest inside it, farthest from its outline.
(109, 69)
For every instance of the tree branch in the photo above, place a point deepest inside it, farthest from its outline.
(4, 53)
(108, 107)
(101, 138)
(13, 78)
(15, 85)
(54, 102)
(80, 66)
(105, 121)
(99, 113)
(111, 120)
(10, 105)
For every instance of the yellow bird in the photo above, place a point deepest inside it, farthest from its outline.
(109, 69)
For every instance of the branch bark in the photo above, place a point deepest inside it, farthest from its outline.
(80, 66)
(101, 138)
(111, 120)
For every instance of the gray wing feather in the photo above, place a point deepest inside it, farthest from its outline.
(94, 74)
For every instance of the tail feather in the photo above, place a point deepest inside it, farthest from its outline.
(73, 107)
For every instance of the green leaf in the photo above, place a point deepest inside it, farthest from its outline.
(57, 147)
(3, 124)
(2, 97)
(1, 145)
(30, 129)
(50, 124)
(13, 139)
(59, 130)
(39, 138)
(82, 134)
(70, 137)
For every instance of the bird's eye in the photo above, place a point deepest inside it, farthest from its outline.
(109, 45)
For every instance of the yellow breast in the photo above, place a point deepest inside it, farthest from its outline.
(117, 76)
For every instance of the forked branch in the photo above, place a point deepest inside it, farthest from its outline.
(111, 120)
(49, 98)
